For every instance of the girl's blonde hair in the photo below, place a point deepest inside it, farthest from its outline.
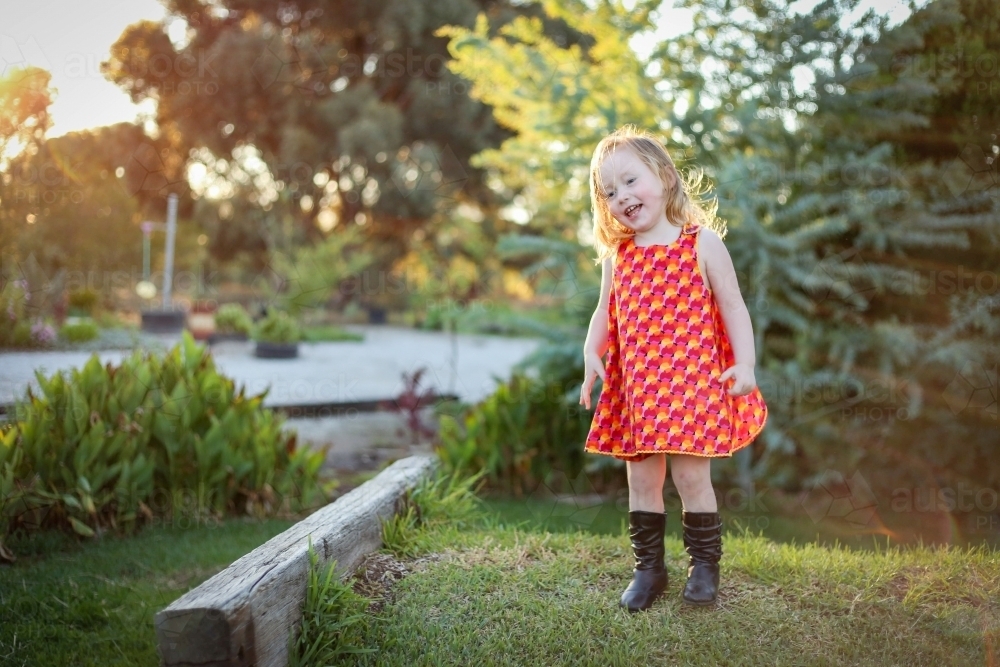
(685, 196)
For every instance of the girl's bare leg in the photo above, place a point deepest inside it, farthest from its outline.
(645, 483)
(692, 476)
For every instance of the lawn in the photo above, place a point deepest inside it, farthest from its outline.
(66, 603)
(523, 585)
(503, 595)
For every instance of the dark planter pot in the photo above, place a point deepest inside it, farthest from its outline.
(226, 337)
(163, 321)
(276, 350)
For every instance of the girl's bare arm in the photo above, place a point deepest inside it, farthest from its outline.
(597, 334)
(726, 290)
(597, 338)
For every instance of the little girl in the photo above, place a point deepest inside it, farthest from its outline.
(679, 377)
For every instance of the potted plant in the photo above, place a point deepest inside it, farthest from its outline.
(201, 319)
(277, 336)
(82, 303)
(232, 322)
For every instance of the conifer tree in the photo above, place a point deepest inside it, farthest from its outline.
(841, 175)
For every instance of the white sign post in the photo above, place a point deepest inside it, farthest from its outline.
(166, 319)
(168, 264)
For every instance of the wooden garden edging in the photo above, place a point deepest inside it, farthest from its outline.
(243, 615)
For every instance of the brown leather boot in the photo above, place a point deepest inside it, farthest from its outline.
(703, 542)
(650, 574)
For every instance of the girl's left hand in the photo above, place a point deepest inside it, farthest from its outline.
(743, 379)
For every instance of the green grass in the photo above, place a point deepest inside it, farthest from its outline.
(779, 520)
(68, 603)
(496, 587)
(328, 333)
(513, 584)
(502, 595)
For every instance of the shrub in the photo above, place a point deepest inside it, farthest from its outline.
(14, 327)
(82, 302)
(232, 318)
(110, 447)
(277, 327)
(79, 332)
(518, 436)
(21, 335)
(42, 333)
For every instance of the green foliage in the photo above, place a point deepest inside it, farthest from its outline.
(277, 327)
(233, 318)
(108, 447)
(25, 96)
(445, 498)
(843, 198)
(390, 144)
(332, 619)
(84, 216)
(107, 319)
(83, 301)
(312, 276)
(108, 588)
(518, 436)
(16, 330)
(329, 333)
(79, 332)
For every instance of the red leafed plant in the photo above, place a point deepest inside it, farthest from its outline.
(411, 400)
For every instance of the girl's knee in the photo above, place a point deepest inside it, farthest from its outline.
(689, 474)
(648, 474)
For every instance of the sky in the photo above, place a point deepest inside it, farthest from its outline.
(70, 38)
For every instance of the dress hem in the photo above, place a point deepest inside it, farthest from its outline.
(753, 436)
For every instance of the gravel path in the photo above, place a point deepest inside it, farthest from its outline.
(326, 372)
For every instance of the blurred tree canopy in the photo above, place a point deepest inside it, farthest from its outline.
(856, 167)
(64, 212)
(318, 114)
(25, 97)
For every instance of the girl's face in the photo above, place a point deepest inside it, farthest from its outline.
(635, 194)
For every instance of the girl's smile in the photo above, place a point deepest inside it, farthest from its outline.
(632, 211)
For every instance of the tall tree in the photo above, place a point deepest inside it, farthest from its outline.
(349, 105)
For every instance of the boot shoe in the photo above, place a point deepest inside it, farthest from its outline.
(703, 543)
(650, 573)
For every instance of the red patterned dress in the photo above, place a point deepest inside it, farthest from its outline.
(667, 347)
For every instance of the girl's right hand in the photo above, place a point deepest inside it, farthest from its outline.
(592, 368)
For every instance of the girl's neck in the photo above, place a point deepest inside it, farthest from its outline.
(662, 233)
